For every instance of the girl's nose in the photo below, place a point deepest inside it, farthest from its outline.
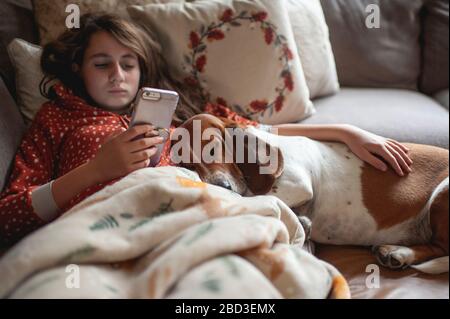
(117, 74)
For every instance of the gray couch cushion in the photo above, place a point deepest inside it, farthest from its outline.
(388, 56)
(407, 116)
(11, 130)
(17, 21)
(435, 51)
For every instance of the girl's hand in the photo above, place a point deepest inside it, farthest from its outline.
(367, 146)
(120, 155)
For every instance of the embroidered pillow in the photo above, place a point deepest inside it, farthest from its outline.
(239, 53)
(312, 38)
(51, 15)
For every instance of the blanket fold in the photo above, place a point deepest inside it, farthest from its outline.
(162, 233)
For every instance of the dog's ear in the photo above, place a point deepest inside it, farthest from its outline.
(260, 176)
(183, 136)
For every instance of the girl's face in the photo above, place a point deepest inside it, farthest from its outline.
(110, 72)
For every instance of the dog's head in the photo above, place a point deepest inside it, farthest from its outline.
(225, 154)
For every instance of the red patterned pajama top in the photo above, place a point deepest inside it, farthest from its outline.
(66, 133)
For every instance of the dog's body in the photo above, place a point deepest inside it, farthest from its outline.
(339, 193)
(350, 202)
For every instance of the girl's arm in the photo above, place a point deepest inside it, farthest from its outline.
(33, 166)
(117, 157)
(367, 146)
(66, 187)
(24, 201)
(332, 132)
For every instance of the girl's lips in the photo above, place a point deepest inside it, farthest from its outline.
(118, 91)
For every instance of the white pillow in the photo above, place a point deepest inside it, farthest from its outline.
(25, 58)
(241, 52)
(313, 44)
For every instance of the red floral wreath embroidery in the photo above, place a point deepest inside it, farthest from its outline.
(197, 59)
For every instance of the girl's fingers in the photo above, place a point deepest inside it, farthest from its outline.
(144, 143)
(400, 150)
(400, 160)
(142, 164)
(152, 133)
(143, 155)
(372, 160)
(403, 147)
(136, 131)
(387, 154)
(114, 134)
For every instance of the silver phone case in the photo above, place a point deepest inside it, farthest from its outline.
(155, 107)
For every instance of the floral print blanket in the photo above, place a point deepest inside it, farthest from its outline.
(162, 233)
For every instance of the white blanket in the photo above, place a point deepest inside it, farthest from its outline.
(162, 233)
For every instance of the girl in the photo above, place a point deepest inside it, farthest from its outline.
(78, 142)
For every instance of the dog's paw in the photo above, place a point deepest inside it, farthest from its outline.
(394, 257)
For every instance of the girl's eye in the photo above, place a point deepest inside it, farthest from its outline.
(105, 65)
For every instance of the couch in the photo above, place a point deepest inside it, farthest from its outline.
(376, 94)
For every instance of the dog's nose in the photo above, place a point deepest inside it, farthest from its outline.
(225, 184)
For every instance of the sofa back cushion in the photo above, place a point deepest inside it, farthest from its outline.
(16, 21)
(51, 14)
(388, 56)
(11, 130)
(435, 51)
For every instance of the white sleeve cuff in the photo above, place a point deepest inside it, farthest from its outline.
(43, 202)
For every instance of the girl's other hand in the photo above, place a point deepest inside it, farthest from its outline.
(367, 146)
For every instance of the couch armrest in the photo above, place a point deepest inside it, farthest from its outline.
(11, 131)
(442, 98)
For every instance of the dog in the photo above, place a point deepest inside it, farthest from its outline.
(404, 219)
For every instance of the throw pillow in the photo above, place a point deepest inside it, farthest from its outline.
(313, 44)
(312, 38)
(240, 53)
(51, 15)
(25, 58)
(388, 56)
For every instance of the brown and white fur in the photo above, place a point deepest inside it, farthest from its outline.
(348, 201)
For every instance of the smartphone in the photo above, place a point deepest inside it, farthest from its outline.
(155, 107)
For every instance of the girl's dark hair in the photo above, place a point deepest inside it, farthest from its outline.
(59, 56)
